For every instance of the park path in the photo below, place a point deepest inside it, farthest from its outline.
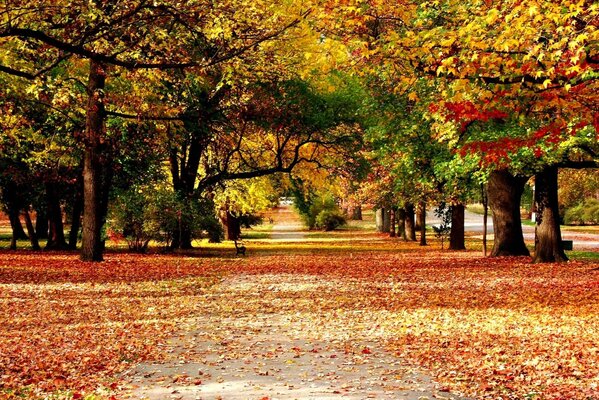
(287, 225)
(270, 353)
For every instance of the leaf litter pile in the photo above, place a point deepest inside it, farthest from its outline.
(487, 328)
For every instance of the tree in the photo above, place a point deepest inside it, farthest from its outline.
(132, 35)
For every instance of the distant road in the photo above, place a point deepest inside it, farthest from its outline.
(473, 223)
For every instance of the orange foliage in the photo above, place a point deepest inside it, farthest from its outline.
(496, 328)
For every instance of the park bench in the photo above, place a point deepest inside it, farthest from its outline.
(239, 247)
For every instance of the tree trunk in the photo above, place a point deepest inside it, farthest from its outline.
(379, 219)
(422, 222)
(41, 223)
(92, 246)
(35, 245)
(233, 227)
(409, 222)
(56, 240)
(386, 220)
(485, 200)
(456, 235)
(15, 223)
(505, 191)
(76, 218)
(548, 236)
(357, 213)
(392, 218)
(401, 223)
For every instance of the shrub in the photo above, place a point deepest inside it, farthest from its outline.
(145, 213)
(584, 213)
(329, 220)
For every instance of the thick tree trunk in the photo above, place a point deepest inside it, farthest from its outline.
(357, 213)
(401, 223)
(409, 222)
(392, 218)
(505, 191)
(56, 240)
(548, 236)
(456, 235)
(92, 246)
(35, 245)
(422, 222)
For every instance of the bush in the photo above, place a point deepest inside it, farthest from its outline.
(146, 213)
(329, 220)
(584, 213)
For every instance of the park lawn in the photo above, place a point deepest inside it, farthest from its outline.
(489, 328)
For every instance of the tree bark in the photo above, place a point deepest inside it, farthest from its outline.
(76, 218)
(456, 235)
(56, 240)
(410, 226)
(548, 236)
(41, 223)
(92, 246)
(504, 192)
(379, 219)
(422, 222)
(233, 227)
(392, 217)
(401, 223)
(35, 245)
(386, 220)
(485, 200)
(15, 223)
(357, 213)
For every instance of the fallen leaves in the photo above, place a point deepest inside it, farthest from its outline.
(492, 328)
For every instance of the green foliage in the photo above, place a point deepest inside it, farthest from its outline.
(145, 213)
(329, 219)
(442, 231)
(584, 213)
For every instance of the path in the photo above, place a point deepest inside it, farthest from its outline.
(232, 353)
(288, 227)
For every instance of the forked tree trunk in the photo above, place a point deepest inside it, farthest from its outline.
(92, 246)
(422, 222)
(392, 218)
(456, 235)
(401, 223)
(35, 245)
(15, 224)
(504, 192)
(409, 222)
(548, 236)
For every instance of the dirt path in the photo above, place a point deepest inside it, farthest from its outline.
(250, 344)
(288, 227)
(272, 355)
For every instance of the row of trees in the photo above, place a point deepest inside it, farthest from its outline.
(103, 96)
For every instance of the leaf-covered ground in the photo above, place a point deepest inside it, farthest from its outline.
(488, 328)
